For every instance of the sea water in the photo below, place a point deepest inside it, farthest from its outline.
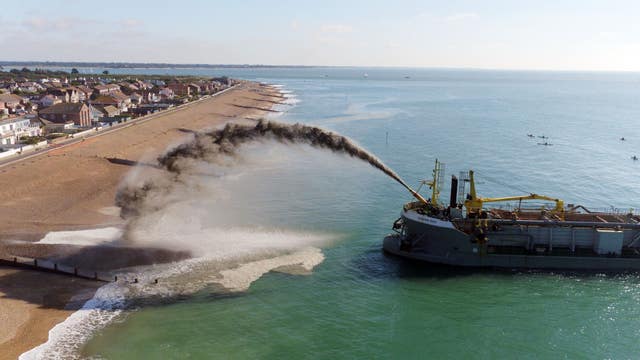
(361, 303)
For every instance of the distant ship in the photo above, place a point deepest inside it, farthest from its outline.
(469, 234)
(365, 75)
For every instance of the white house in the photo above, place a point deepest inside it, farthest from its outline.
(166, 93)
(136, 98)
(152, 97)
(30, 86)
(11, 130)
(49, 100)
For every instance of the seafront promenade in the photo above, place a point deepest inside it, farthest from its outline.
(73, 187)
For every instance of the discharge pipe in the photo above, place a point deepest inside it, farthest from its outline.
(417, 196)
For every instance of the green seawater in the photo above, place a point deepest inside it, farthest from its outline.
(346, 310)
(362, 304)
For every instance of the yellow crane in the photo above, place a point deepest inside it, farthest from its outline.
(474, 203)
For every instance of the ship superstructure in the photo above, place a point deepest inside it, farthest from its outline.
(469, 233)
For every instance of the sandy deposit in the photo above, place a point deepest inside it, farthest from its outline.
(32, 303)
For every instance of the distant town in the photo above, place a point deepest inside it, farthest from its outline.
(129, 65)
(41, 107)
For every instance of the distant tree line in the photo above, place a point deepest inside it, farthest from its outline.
(117, 65)
(26, 71)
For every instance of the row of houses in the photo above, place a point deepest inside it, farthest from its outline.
(51, 99)
(31, 109)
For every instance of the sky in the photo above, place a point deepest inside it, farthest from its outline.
(488, 34)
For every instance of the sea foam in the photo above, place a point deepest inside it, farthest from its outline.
(234, 269)
(65, 339)
(89, 237)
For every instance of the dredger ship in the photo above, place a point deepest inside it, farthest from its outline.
(468, 233)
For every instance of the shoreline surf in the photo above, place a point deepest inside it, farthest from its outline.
(197, 117)
(111, 301)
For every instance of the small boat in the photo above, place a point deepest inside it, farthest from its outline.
(467, 233)
(530, 135)
(365, 75)
(545, 144)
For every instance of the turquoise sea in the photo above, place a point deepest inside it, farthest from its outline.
(362, 304)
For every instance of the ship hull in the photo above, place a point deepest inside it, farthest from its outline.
(513, 246)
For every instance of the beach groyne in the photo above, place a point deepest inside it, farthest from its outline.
(53, 267)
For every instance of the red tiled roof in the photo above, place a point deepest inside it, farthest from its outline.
(4, 98)
(63, 108)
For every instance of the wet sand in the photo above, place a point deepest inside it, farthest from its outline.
(74, 187)
(34, 302)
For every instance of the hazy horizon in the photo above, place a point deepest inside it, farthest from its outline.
(567, 35)
(204, 66)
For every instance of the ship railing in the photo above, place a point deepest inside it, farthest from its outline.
(549, 206)
(530, 206)
(551, 223)
(612, 211)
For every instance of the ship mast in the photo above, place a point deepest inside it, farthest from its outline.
(436, 183)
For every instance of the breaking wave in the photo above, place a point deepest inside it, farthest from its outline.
(230, 269)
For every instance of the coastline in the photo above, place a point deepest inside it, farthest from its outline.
(78, 192)
(32, 303)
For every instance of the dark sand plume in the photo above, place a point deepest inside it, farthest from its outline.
(224, 142)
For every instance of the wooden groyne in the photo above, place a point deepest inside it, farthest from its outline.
(55, 268)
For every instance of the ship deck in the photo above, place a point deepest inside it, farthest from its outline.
(574, 214)
(569, 216)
